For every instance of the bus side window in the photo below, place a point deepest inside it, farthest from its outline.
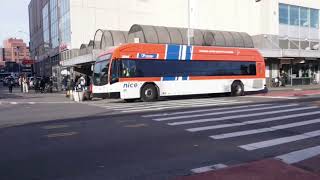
(125, 68)
(128, 68)
(115, 69)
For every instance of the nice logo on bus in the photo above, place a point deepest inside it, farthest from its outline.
(130, 85)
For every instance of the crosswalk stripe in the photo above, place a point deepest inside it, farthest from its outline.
(168, 105)
(274, 97)
(174, 102)
(156, 105)
(177, 106)
(298, 156)
(202, 110)
(219, 113)
(208, 168)
(226, 118)
(278, 141)
(262, 130)
(220, 126)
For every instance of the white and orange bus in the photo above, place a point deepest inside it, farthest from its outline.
(150, 71)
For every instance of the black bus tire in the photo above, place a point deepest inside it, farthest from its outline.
(149, 93)
(237, 88)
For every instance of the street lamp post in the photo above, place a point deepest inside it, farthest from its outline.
(18, 56)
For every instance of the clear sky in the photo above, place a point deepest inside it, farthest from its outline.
(14, 18)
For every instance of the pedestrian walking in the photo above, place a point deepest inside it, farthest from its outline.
(10, 84)
(42, 84)
(25, 84)
(20, 83)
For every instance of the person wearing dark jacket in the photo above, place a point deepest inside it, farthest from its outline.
(10, 84)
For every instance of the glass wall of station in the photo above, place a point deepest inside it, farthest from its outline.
(293, 71)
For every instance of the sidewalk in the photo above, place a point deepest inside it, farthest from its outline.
(17, 95)
(295, 88)
(268, 169)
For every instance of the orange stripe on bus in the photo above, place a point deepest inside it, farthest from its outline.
(146, 79)
(153, 79)
(222, 77)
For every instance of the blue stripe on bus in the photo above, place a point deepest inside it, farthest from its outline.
(173, 52)
(189, 55)
(168, 78)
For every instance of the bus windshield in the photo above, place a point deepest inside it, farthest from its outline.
(101, 69)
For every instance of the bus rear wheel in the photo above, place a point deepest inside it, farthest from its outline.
(149, 93)
(237, 88)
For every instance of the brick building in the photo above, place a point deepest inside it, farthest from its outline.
(15, 50)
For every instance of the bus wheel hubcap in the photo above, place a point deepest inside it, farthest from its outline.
(238, 89)
(148, 93)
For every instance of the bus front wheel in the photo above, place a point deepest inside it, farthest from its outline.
(237, 88)
(149, 93)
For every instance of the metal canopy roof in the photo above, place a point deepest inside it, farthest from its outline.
(107, 38)
(173, 35)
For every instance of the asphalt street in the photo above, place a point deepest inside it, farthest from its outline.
(170, 138)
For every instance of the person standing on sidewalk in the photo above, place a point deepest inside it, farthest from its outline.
(20, 83)
(25, 84)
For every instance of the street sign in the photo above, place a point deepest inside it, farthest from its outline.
(27, 61)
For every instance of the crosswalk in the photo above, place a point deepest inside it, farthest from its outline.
(122, 107)
(243, 123)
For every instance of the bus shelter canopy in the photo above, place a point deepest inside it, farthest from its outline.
(174, 35)
(108, 38)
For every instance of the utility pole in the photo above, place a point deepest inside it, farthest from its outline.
(189, 24)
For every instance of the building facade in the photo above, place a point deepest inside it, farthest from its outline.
(286, 31)
(2, 62)
(15, 50)
(15, 56)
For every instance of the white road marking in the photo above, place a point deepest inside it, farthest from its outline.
(132, 107)
(177, 106)
(208, 168)
(262, 130)
(54, 127)
(298, 156)
(278, 141)
(156, 105)
(219, 113)
(220, 126)
(32, 103)
(226, 118)
(274, 97)
(61, 134)
(202, 110)
(172, 102)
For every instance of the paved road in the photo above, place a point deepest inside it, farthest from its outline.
(83, 141)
